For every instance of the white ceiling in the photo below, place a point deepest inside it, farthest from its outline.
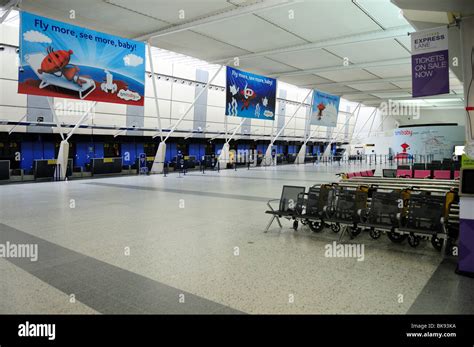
(273, 40)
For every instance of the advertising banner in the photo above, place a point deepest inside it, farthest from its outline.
(325, 109)
(62, 60)
(249, 95)
(430, 62)
(438, 141)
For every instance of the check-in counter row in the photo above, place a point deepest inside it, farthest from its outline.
(45, 169)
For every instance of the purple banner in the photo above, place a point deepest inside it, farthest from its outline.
(466, 246)
(430, 62)
(430, 73)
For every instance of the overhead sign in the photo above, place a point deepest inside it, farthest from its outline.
(67, 61)
(249, 95)
(430, 62)
(325, 109)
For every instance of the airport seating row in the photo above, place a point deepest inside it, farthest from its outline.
(402, 214)
(421, 173)
(365, 173)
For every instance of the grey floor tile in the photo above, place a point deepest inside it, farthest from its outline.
(190, 250)
(104, 287)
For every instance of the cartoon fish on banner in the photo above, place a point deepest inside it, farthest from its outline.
(247, 95)
(57, 63)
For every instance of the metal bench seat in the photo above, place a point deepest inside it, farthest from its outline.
(288, 205)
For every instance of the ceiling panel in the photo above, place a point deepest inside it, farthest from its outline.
(392, 95)
(169, 11)
(250, 33)
(454, 82)
(372, 86)
(347, 75)
(358, 97)
(304, 80)
(319, 20)
(391, 71)
(196, 45)
(336, 89)
(95, 15)
(308, 59)
(384, 12)
(403, 84)
(406, 41)
(262, 65)
(362, 52)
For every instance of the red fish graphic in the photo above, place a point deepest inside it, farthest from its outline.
(247, 96)
(57, 63)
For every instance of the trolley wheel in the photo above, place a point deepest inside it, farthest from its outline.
(396, 237)
(375, 234)
(295, 225)
(355, 231)
(413, 240)
(437, 243)
(315, 226)
(335, 227)
(450, 246)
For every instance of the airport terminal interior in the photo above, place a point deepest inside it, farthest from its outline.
(236, 157)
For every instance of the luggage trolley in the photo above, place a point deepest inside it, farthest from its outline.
(314, 204)
(428, 216)
(350, 204)
(387, 207)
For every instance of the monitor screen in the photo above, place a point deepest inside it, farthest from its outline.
(467, 181)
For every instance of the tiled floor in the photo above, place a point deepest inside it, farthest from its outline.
(143, 244)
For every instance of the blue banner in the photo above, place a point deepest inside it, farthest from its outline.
(63, 60)
(249, 95)
(325, 108)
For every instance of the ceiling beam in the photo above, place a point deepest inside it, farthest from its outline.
(454, 97)
(377, 35)
(348, 83)
(219, 17)
(391, 62)
(376, 91)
